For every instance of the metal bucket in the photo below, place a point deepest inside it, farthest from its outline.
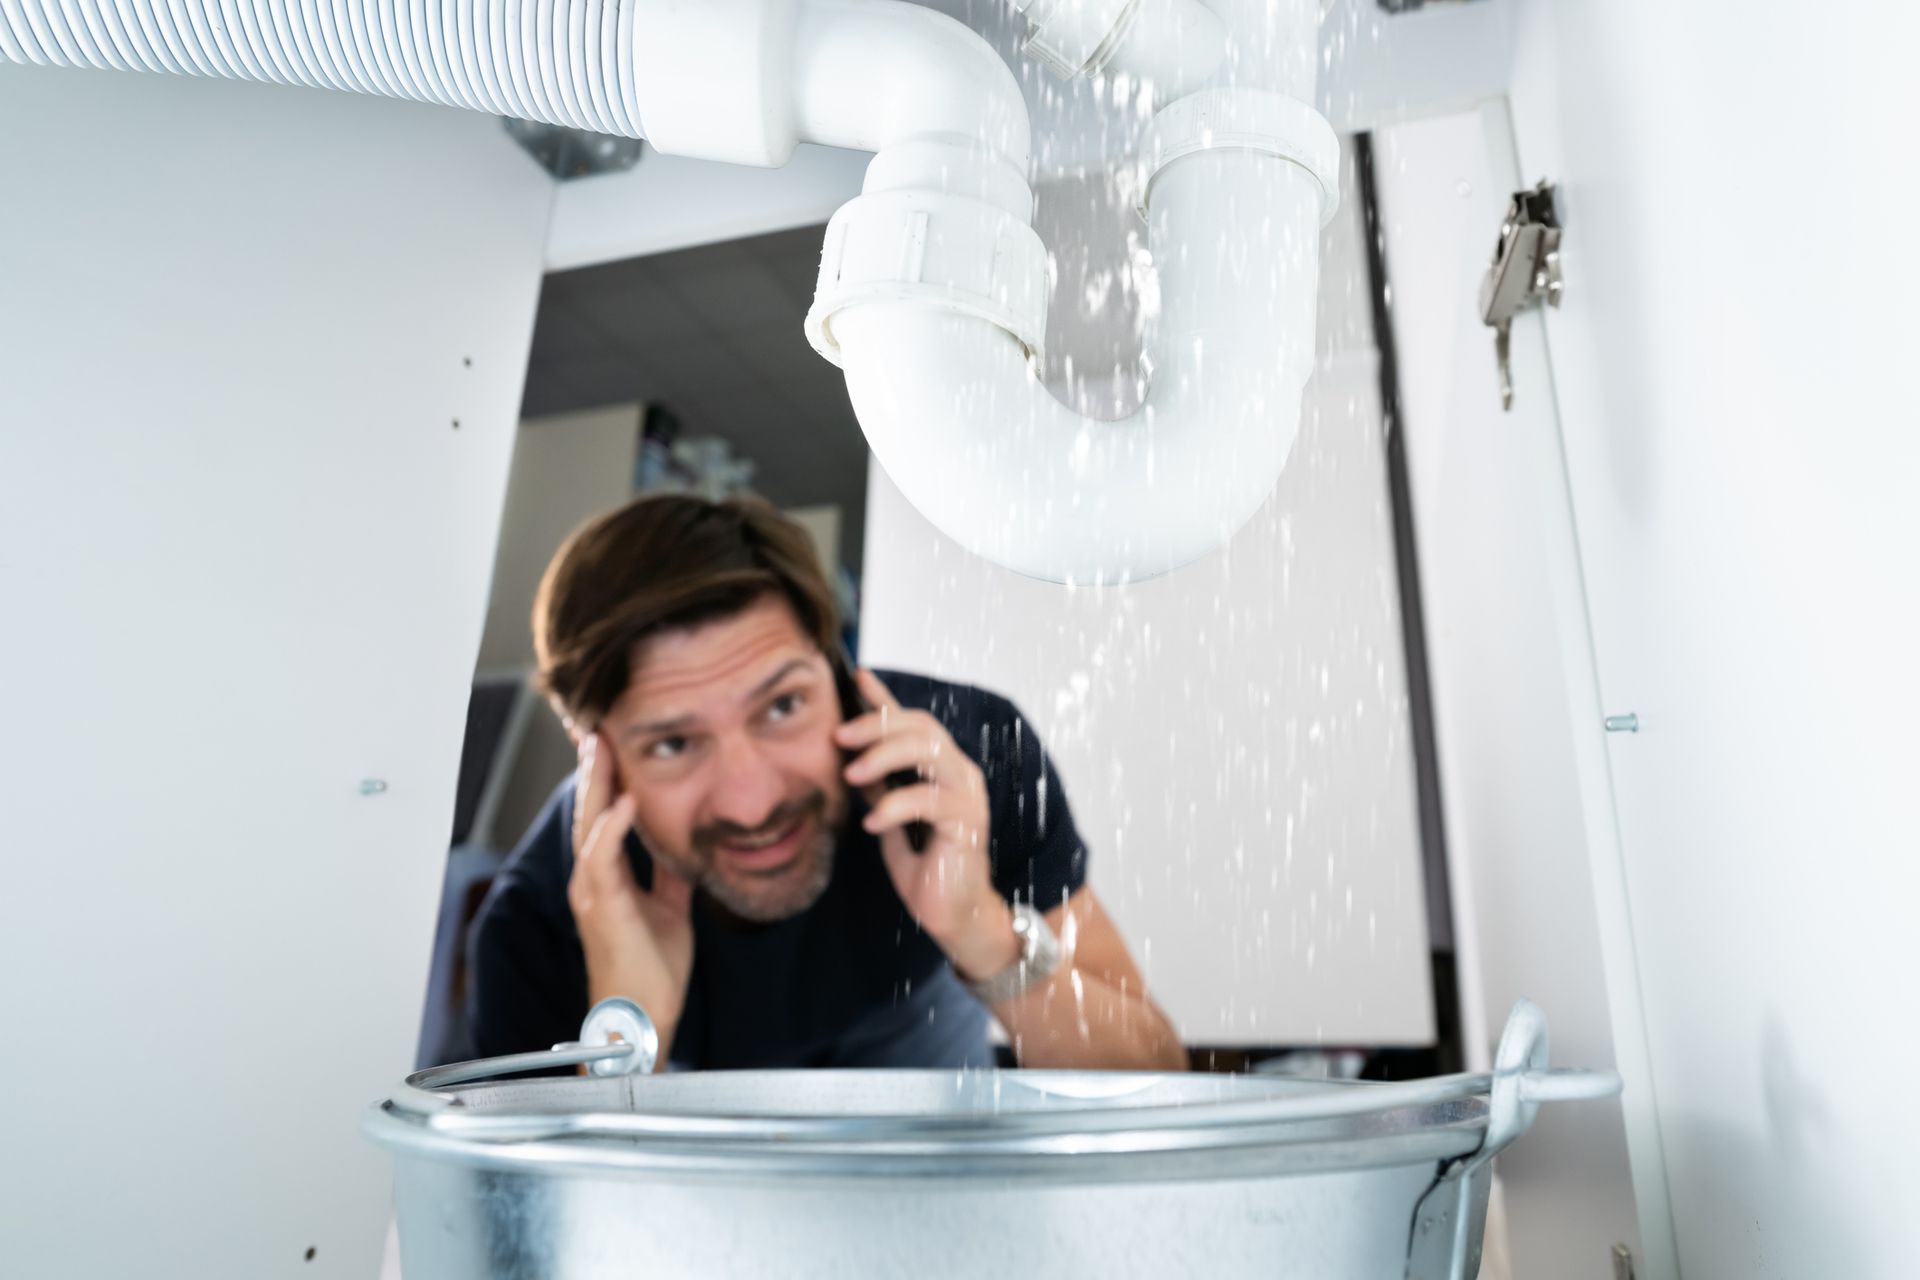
(928, 1174)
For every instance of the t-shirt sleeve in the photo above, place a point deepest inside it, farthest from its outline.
(529, 981)
(1037, 854)
(512, 1003)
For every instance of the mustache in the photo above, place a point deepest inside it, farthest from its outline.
(813, 805)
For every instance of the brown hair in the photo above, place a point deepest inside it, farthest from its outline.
(659, 563)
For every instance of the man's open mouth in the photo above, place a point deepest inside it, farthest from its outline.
(768, 851)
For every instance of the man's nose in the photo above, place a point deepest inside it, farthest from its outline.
(748, 787)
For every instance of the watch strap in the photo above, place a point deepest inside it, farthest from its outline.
(1039, 958)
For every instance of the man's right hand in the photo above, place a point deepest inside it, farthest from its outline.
(638, 944)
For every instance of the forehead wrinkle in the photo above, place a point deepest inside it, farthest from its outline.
(651, 684)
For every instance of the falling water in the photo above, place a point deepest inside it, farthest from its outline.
(1233, 737)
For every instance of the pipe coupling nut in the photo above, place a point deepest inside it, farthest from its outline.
(951, 252)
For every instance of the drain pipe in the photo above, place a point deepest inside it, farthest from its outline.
(933, 284)
(931, 297)
(568, 66)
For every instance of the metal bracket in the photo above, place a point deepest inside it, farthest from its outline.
(1446, 1238)
(1449, 1223)
(1526, 269)
(573, 153)
(1413, 6)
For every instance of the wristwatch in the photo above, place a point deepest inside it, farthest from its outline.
(1040, 956)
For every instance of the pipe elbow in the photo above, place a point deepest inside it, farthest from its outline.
(746, 80)
(869, 74)
(981, 448)
(942, 384)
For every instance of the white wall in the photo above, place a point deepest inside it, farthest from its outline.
(822, 524)
(1733, 366)
(1234, 737)
(566, 469)
(244, 556)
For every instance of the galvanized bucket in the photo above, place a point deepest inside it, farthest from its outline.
(931, 1174)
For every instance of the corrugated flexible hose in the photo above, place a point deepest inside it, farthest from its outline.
(568, 62)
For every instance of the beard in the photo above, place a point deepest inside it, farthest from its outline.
(785, 892)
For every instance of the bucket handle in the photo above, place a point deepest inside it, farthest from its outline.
(617, 1039)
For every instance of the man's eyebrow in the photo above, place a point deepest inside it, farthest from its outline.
(787, 668)
(681, 723)
(654, 727)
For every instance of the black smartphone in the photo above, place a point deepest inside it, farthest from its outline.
(919, 834)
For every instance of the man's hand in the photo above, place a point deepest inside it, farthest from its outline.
(948, 887)
(638, 944)
(1093, 1013)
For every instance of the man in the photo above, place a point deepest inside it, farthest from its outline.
(784, 862)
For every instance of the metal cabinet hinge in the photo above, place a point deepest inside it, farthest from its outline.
(1526, 268)
(1622, 1263)
(573, 153)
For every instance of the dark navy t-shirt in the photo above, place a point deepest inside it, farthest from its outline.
(850, 982)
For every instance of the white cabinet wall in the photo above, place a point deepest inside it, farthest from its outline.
(1715, 533)
(1539, 902)
(1733, 365)
(261, 352)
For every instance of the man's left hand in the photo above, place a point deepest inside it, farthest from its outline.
(948, 887)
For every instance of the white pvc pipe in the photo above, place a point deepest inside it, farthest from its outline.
(949, 403)
(954, 411)
(1174, 45)
(983, 450)
(563, 63)
(696, 78)
(868, 74)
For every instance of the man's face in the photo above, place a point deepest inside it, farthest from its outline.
(724, 739)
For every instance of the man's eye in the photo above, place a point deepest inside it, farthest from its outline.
(666, 748)
(784, 705)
